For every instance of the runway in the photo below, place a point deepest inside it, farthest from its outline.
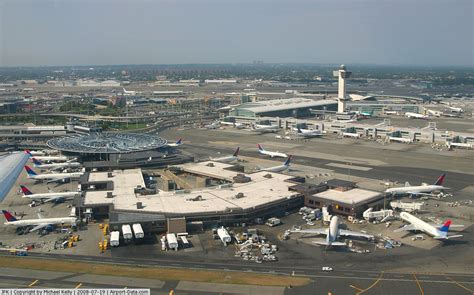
(340, 281)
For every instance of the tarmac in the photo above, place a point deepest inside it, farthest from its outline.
(425, 267)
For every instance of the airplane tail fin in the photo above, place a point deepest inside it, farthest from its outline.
(287, 162)
(445, 227)
(30, 171)
(236, 152)
(36, 161)
(8, 216)
(179, 141)
(440, 180)
(260, 148)
(25, 190)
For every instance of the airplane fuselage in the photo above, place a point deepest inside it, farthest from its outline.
(52, 158)
(415, 189)
(51, 195)
(31, 222)
(421, 225)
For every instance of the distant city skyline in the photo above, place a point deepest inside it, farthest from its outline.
(105, 32)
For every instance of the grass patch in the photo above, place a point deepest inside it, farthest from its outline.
(161, 273)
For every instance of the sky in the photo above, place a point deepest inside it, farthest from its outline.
(106, 32)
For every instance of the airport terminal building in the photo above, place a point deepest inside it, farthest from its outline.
(221, 195)
(291, 107)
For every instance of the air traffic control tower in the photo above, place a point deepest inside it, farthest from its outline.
(342, 74)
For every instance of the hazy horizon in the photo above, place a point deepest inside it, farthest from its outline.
(165, 32)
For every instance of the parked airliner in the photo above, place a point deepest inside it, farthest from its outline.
(37, 223)
(424, 189)
(279, 168)
(333, 232)
(262, 151)
(437, 231)
(47, 197)
(228, 159)
(52, 177)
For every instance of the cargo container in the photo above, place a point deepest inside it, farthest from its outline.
(138, 231)
(127, 232)
(114, 239)
(172, 241)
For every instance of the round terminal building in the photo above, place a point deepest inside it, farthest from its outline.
(115, 150)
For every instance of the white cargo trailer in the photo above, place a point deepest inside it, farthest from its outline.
(115, 239)
(172, 241)
(138, 231)
(127, 232)
(224, 235)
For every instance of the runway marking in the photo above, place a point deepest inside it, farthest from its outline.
(33, 283)
(78, 286)
(464, 287)
(358, 289)
(419, 285)
(371, 286)
(352, 167)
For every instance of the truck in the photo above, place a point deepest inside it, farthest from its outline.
(114, 239)
(127, 232)
(138, 231)
(172, 241)
(273, 221)
(224, 235)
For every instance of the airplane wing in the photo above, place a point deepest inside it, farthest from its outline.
(343, 232)
(53, 199)
(39, 226)
(325, 243)
(448, 237)
(406, 228)
(316, 231)
(56, 179)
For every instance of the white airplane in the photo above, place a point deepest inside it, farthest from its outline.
(126, 92)
(400, 139)
(349, 134)
(437, 231)
(332, 233)
(47, 197)
(48, 158)
(213, 125)
(228, 159)
(52, 177)
(279, 168)
(416, 116)
(308, 133)
(424, 189)
(233, 124)
(177, 143)
(264, 128)
(456, 110)
(459, 145)
(43, 152)
(68, 164)
(262, 151)
(37, 223)
(434, 113)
